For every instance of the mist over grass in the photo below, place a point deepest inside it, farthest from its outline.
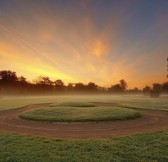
(128, 101)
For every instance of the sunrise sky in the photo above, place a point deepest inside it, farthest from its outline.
(85, 40)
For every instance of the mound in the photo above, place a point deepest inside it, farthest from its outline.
(74, 114)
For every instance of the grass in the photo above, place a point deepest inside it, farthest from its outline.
(129, 101)
(152, 105)
(142, 102)
(79, 114)
(140, 148)
(15, 102)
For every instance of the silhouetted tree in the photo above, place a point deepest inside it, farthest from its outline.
(146, 90)
(70, 87)
(115, 88)
(10, 83)
(59, 85)
(43, 84)
(8, 76)
(157, 87)
(79, 87)
(44, 81)
(123, 84)
(22, 79)
(156, 90)
(133, 91)
(92, 87)
(165, 87)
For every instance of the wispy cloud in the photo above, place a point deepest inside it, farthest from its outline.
(84, 41)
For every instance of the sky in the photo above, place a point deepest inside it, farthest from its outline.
(102, 41)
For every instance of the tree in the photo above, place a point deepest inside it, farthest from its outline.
(156, 90)
(8, 76)
(146, 90)
(165, 87)
(43, 85)
(123, 84)
(22, 79)
(44, 81)
(59, 85)
(157, 87)
(92, 86)
(115, 88)
(70, 87)
(80, 87)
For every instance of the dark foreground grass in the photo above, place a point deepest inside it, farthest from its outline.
(139, 148)
(80, 114)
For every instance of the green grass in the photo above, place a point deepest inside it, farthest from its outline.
(15, 102)
(140, 148)
(82, 114)
(132, 101)
(153, 105)
(142, 102)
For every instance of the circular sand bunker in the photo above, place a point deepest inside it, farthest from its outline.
(79, 113)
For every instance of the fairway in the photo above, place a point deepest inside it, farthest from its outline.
(79, 112)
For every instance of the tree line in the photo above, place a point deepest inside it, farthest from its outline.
(11, 84)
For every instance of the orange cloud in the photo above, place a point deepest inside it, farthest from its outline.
(99, 49)
(74, 49)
